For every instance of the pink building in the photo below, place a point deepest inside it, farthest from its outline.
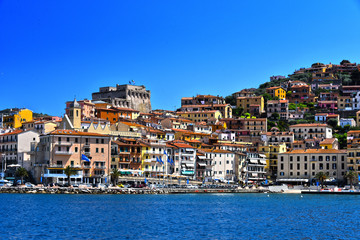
(328, 104)
(87, 108)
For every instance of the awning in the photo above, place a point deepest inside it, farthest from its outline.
(292, 180)
(262, 155)
(263, 161)
(254, 161)
(202, 164)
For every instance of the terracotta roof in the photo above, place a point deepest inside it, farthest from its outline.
(74, 132)
(131, 124)
(275, 87)
(278, 101)
(312, 151)
(328, 141)
(196, 112)
(205, 105)
(12, 133)
(249, 97)
(180, 144)
(309, 125)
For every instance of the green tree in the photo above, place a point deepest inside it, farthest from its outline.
(21, 172)
(332, 122)
(230, 100)
(237, 112)
(351, 176)
(69, 171)
(344, 61)
(275, 116)
(321, 176)
(342, 138)
(355, 77)
(115, 174)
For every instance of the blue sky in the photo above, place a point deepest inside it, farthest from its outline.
(51, 51)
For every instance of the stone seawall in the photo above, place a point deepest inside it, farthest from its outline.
(65, 190)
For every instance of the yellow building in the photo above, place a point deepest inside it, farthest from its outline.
(276, 92)
(271, 152)
(201, 116)
(246, 103)
(15, 120)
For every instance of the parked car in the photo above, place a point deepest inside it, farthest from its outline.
(29, 185)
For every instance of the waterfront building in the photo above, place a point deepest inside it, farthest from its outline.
(310, 130)
(271, 153)
(126, 155)
(15, 119)
(61, 148)
(223, 164)
(184, 156)
(255, 168)
(125, 96)
(324, 117)
(15, 149)
(353, 150)
(152, 153)
(301, 165)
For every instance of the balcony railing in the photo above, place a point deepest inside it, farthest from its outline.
(56, 166)
(64, 143)
(100, 167)
(63, 153)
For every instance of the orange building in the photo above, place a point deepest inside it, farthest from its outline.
(115, 114)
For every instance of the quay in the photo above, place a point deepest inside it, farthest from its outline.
(70, 190)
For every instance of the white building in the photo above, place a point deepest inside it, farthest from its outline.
(311, 130)
(15, 148)
(347, 121)
(223, 164)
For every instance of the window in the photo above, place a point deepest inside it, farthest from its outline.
(102, 141)
(76, 149)
(305, 158)
(291, 158)
(320, 158)
(298, 158)
(97, 150)
(76, 140)
(102, 150)
(291, 166)
(97, 140)
(281, 166)
(334, 158)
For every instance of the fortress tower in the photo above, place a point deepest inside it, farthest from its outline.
(125, 96)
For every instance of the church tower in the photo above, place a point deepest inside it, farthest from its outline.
(75, 114)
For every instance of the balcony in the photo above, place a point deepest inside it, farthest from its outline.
(86, 166)
(56, 166)
(64, 143)
(63, 153)
(99, 167)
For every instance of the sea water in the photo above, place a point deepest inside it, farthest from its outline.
(190, 216)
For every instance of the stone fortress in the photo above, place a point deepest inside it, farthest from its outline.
(125, 96)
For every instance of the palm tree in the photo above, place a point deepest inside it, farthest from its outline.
(69, 171)
(321, 176)
(21, 172)
(351, 176)
(115, 174)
